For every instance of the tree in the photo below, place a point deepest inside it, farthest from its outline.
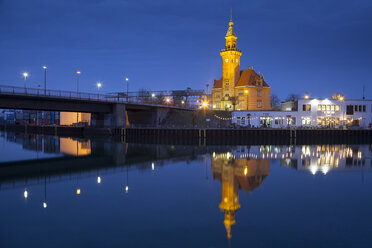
(292, 97)
(275, 101)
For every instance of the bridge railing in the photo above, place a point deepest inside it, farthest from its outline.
(21, 91)
(13, 90)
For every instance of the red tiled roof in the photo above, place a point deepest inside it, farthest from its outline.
(247, 78)
(217, 83)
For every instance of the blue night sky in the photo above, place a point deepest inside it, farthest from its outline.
(321, 47)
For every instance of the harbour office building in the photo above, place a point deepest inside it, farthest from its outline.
(310, 113)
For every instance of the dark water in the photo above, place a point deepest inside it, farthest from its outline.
(85, 193)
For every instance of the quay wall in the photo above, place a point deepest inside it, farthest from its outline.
(206, 136)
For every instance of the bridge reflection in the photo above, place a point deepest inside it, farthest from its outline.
(239, 168)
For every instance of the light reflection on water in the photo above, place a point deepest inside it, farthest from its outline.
(274, 195)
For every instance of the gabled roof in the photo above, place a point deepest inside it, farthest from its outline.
(250, 78)
(246, 78)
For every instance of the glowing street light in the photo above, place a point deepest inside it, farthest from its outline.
(98, 179)
(126, 189)
(25, 75)
(78, 191)
(167, 100)
(45, 76)
(25, 194)
(44, 205)
(205, 104)
(99, 85)
(77, 93)
(307, 96)
(127, 81)
(152, 166)
(153, 95)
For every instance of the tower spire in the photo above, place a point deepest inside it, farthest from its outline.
(230, 13)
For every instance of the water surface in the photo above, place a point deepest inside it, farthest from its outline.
(63, 192)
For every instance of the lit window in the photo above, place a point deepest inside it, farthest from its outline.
(337, 107)
(323, 107)
(328, 108)
(319, 107)
(333, 108)
(308, 107)
(337, 121)
(319, 121)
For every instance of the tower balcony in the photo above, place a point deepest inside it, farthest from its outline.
(231, 49)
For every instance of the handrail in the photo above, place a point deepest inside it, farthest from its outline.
(63, 94)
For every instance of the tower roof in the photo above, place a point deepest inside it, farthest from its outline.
(230, 31)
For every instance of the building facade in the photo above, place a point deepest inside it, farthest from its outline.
(310, 113)
(238, 89)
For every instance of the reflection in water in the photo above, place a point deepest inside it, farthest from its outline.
(237, 168)
(234, 174)
(75, 147)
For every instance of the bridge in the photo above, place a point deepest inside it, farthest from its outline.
(107, 110)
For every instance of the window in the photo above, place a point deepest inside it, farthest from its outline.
(333, 108)
(349, 110)
(360, 108)
(319, 107)
(328, 108)
(356, 108)
(337, 107)
(293, 121)
(306, 121)
(241, 93)
(258, 93)
(323, 107)
(337, 121)
(319, 121)
(217, 95)
(306, 107)
(227, 94)
(364, 108)
(259, 104)
(227, 83)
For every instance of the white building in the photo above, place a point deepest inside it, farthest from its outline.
(331, 113)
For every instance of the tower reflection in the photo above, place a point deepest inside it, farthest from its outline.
(235, 174)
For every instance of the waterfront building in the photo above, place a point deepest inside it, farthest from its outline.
(238, 89)
(310, 113)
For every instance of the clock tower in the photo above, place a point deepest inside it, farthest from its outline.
(230, 65)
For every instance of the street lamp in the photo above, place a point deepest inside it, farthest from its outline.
(99, 85)
(25, 75)
(77, 93)
(45, 74)
(127, 81)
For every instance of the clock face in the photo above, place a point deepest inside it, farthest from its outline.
(226, 60)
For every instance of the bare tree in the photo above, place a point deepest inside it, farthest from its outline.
(275, 101)
(292, 97)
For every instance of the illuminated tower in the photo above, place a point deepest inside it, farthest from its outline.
(230, 65)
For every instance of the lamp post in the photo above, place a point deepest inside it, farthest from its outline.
(45, 74)
(77, 93)
(127, 81)
(99, 85)
(25, 75)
